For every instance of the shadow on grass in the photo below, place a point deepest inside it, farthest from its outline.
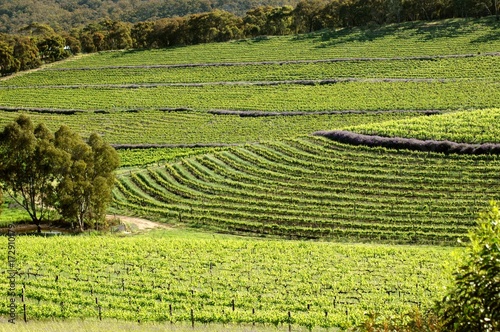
(423, 30)
(493, 35)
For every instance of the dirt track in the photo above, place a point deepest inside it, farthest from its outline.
(140, 223)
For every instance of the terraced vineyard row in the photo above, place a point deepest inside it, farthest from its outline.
(143, 157)
(460, 36)
(478, 67)
(341, 96)
(223, 280)
(311, 187)
(480, 126)
(196, 127)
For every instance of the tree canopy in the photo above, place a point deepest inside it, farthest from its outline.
(43, 171)
(34, 43)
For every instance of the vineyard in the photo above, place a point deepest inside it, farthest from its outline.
(223, 280)
(190, 127)
(282, 97)
(484, 67)
(412, 39)
(313, 188)
(289, 228)
(479, 126)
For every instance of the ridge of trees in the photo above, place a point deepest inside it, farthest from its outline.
(37, 43)
(66, 14)
(44, 171)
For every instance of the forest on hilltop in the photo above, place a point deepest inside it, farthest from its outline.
(67, 14)
(47, 41)
(73, 13)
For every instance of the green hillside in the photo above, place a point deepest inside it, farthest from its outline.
(467, 68)
(479, 126)
(220, 140)
(414, 66)
(447, 37)
(315, 188)
(183, 127)
(282, 97)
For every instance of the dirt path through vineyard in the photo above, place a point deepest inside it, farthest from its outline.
(140, 223)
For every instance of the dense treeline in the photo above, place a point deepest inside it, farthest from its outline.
(76, 13)
(66, 14)
(39, 43)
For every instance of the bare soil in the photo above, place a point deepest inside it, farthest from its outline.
(140, 223)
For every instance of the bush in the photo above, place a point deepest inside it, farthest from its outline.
(474, 302)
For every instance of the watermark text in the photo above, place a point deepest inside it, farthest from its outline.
(11, 273)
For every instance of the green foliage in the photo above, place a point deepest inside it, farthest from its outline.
(84, 191)
(132, 280)
(215, 26)
(473, 303)
(428, 83)
(26, 54)
(486, 68)
(315, 188)
(75, 46)
(118, 36)
(27, 166)
(478, 126)
(368, 96)
(51, 48)
(41, 171)
(7, 61)
(310, 15)
(143, 157)
(413, 321)
(133, 128)
(457, 36)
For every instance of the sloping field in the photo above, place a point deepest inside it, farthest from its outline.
(224, 280)
(319, 189)
(479, 126)
(414, 66)
(189, 127)
(281, 97)
(449, 37)
(268, 176)
(486, 67)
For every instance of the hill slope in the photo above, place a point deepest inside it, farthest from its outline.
(73, 13)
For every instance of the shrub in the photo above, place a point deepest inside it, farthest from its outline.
(474, 302)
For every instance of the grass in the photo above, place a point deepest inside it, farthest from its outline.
(11, 213)
(89, 325)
